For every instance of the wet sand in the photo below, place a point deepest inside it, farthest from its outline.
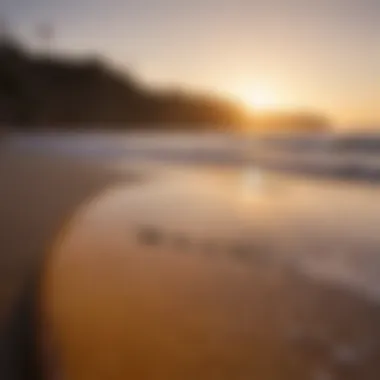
(242, 310)
(298, 328)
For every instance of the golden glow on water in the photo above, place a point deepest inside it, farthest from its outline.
(252, 184)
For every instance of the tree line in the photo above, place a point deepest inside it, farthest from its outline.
(63, 92)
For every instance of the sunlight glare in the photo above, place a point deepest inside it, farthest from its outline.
(258, 98)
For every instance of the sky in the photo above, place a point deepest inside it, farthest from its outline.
(322, 55)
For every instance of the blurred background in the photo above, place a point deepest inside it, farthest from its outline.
(255, 66)
(197, 116)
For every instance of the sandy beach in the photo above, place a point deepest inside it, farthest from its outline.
(38, 195)
(281, 324)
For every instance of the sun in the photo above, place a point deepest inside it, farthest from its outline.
(260, 98)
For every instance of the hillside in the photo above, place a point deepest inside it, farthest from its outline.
(40, 91)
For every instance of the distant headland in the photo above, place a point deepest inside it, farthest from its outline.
(55, 92)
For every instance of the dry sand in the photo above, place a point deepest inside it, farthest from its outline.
(38, 194)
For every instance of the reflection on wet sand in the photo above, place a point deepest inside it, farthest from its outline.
(157, 305)
(183, 272)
